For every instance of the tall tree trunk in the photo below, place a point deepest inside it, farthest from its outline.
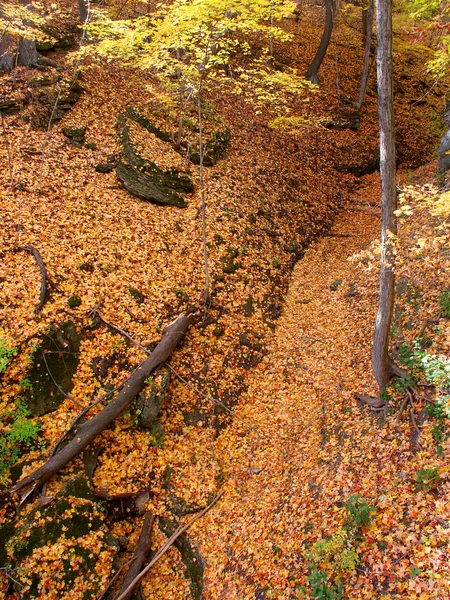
(381, 362)
(367, 43)
(311, 73)
(82, 10)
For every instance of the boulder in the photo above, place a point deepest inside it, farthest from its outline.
(48, 379)
(68, 534)
(444, 152)
(144, 178)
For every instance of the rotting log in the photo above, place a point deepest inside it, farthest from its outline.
(89, 430)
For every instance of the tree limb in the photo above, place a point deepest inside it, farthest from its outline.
(89, 430)
(140, 555)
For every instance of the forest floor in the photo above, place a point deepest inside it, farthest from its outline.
(300, 446)
(264, 409)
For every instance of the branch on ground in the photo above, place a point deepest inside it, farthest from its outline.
(89, 430)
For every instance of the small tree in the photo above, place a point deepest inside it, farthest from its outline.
(313, 69)
(382, 365)
(189, 45)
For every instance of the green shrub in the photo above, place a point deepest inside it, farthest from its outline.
(16, 437)
(444, 303)
(360, 514)
(321, 586)
(427, 479)
(5, 355)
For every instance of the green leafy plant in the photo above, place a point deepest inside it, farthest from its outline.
(360, 514)
(16, 437)
(320, 585)
(336, 552)
(5, 355)
(427, 479)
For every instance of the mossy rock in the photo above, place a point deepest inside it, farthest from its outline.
(145, 179)
(50, 377)
(149, 403)
(104, 167)
(138, 296)
(135, 115)
(73, 514)
(74, 132)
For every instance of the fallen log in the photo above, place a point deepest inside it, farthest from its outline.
(88, 431)
(140, 556)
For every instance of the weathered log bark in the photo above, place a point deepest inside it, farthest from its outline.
(381, 362)
(140, 556)
(88, 431)
(313, 69)
(367, 42)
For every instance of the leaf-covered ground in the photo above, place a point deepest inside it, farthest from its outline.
(295, 446)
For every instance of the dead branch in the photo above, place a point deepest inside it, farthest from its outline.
(89, 430)
(168, 544)
(95, 313)
(140, 555)
(44, 276)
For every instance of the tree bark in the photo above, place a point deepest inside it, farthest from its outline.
(381, 362)
(140, 556)
(88, 431)
(367, 43)
(82, 11)
(313, 69)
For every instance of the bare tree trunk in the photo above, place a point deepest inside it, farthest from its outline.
(381, 362)
(367, 42)
(313, 69)
(82, 10)
(365, 19)
(201, 149)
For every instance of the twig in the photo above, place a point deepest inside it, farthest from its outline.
(168, 544)
(401, 409)
(44, 143)
(95, 312)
